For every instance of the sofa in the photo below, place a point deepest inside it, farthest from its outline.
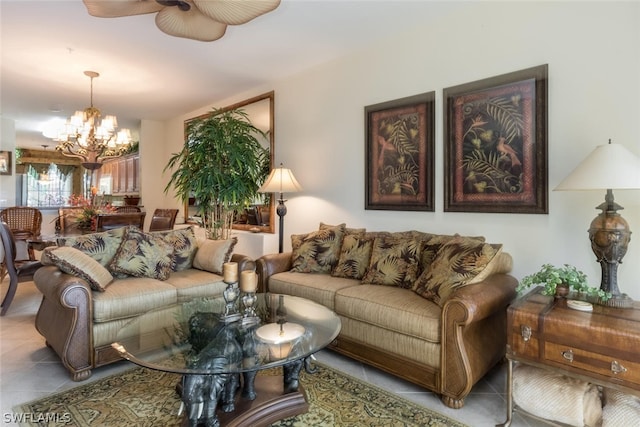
(94, 284)
(425, 307)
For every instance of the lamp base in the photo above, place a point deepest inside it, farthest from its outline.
(616, 301)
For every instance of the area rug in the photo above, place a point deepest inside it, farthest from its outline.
(142, 397)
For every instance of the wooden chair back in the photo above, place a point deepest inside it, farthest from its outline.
(163, 219)
(66, 221)
(17, 271)
(109, 221)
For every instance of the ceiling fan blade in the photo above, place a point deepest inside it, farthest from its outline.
(119, 8)
(235, 12)
(191, 24)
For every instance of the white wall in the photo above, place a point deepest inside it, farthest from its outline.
(8, 143)
(593, 52)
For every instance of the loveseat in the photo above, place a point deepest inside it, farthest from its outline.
(93, 285)
(428, 308)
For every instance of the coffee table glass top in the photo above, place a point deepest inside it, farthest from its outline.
(191, 338)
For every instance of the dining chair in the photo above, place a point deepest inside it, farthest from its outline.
(163, 219)
(125, 209)
(66, 221)
(18, 271)
(25, 223)
(109, 221)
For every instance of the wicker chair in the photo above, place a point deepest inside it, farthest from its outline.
(163, 219)
(18, 271)
(25, 223)
(127, 209)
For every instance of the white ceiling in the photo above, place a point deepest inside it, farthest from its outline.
(146, 74)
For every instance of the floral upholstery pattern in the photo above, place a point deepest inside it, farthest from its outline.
(100, 246)
(318, 251)
(143, 255)
(185, 246)
(354, 257)
(455, 264)
(394, 262)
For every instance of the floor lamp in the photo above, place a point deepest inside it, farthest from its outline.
(608, 167)
(280, 180)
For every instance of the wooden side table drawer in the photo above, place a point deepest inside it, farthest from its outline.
(613, 368)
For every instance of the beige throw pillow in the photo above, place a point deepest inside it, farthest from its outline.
(75, 262)
(212, 254)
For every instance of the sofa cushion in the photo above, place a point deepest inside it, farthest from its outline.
(212, 254)
(320, 288)
(394, 262)
(143, 255)
(193, 283)
(73, 261)
(392, 308)
(184, 246)
(318, 251)
(355, 255)
(456, 264)
(100, 246)
(132, 297)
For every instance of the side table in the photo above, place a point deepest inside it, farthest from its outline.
(600, 347)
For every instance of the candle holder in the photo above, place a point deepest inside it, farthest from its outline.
(230, 295)
(249, 301)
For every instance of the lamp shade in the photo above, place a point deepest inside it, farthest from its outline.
(280, 180)
(608, 167)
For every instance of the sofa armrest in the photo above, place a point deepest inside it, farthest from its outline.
(65, 318)
(473, 331)
(270, 264)
(244, 262)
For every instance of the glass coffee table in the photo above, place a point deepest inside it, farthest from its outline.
(219, 355)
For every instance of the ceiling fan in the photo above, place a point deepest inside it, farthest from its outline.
(204, 20)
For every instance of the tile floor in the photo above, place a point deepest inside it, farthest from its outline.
(29, 370)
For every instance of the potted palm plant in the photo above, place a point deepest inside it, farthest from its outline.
(222, 164)
(560, 280)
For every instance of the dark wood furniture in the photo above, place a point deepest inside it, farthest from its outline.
(126, 208)
(24, 222)
(109, 221)
(163, 219)
(17, 271)
(600, 346)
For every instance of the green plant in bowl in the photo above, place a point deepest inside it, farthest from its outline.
(552, 277)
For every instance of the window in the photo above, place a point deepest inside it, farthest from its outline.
(47, 187)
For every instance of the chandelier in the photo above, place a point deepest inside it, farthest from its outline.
(88, 138)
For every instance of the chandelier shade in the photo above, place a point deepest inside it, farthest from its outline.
(89, 137)
(203, 20)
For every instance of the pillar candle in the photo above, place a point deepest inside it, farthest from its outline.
(248, 281)
(230, 272)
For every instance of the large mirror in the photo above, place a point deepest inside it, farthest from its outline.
(259, 217)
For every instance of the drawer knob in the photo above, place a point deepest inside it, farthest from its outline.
(568, 355)
(525, 331)
(617, 368)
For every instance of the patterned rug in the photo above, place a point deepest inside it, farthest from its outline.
(142, 397)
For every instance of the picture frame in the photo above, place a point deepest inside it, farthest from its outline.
(495, 144)
(5, 163)
(399, 160)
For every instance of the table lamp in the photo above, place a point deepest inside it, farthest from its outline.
(608, 167)
(280, 180)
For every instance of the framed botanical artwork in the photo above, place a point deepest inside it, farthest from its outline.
(399, 147)
(495, 144)
(5, 162)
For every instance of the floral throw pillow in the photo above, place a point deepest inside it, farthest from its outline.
(100, 246)
(318, 251)
(354, 257)
(394, 262)
(184, 244)
(455, 265)
(143, 255)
